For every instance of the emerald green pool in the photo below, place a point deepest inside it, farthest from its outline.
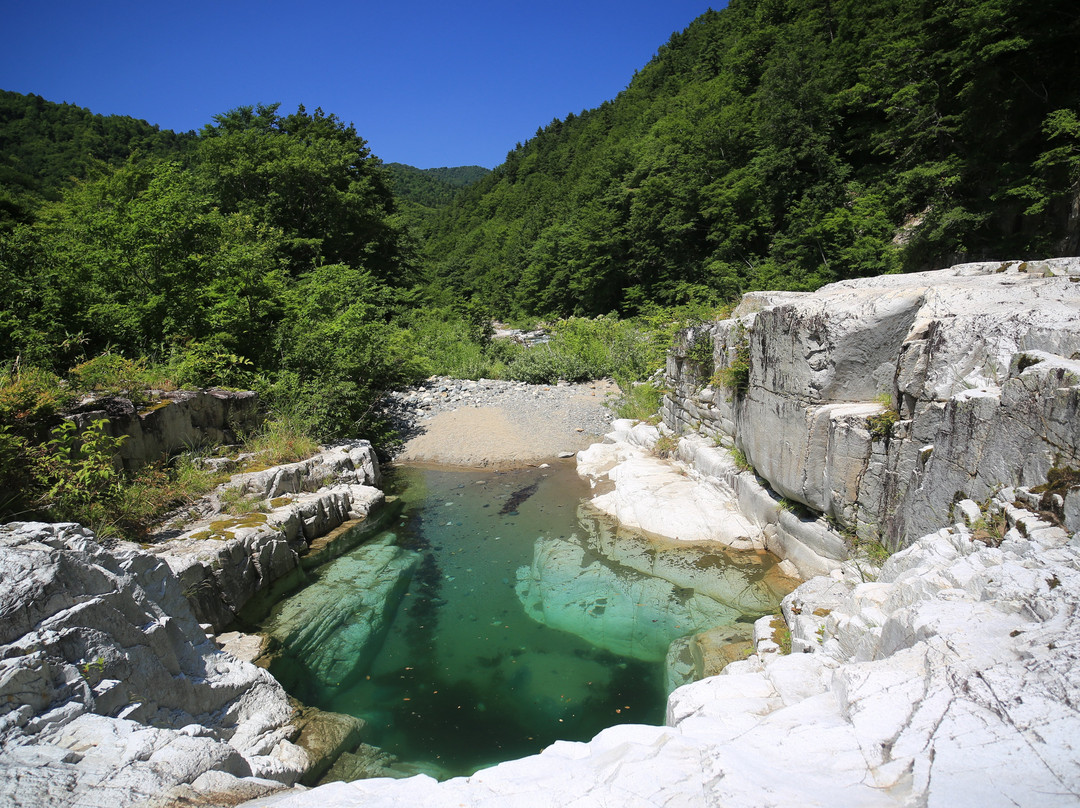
(505, 631)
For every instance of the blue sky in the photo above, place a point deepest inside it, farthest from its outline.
(426, 83)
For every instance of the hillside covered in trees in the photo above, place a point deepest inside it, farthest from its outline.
(774, 144)
(784, 144)
(43, 146)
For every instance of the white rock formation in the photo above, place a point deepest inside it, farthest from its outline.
(224, 561)
(978, 363)
(111, 693)
(703, 496)
(658, 497)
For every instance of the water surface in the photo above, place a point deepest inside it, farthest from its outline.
(515, 629)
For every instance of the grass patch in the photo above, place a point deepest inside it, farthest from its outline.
(781, 634)
(666, 446)
(282, 440)
(639, 401)
(735, 374)
(741, 463)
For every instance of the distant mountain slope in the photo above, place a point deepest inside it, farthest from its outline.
(788, 143)
(431, 187)
(43, 145)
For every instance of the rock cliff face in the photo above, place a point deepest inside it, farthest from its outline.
(176, 422)
(111, 693)
(881, 402)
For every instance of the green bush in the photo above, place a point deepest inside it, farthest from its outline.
(640, 401)
(29, 396)
(210, 364)
(76, 475)
(735, 375)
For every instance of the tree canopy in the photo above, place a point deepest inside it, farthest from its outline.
(788, 143)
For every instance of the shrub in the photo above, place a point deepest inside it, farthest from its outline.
(666, 446)
(29, 396)
(78, 480)
(112, 374)
(640, 401)
(881, 425)
(210, 364)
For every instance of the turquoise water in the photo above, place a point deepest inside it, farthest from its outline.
(470, 670)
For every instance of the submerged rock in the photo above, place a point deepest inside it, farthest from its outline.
(573, 589)
(332, 629)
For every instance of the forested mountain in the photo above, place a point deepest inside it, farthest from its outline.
(784, 144)
(776, 143)
(44, 145)
(431, 187)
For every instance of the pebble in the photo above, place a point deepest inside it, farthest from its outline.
(408, 408)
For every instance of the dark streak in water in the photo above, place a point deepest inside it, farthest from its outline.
(518, 497)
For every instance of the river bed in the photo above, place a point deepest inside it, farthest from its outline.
(499, 615)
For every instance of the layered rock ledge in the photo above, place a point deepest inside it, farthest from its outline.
(881, 402)
(110, 691)
(224, 561)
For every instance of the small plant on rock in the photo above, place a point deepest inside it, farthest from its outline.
(735, 375)
(741, 463)
(881, 425)
(781, 634)
(666, 446)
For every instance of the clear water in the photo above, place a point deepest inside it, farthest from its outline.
(465, 677)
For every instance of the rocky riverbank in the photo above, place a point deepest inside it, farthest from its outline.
(501, 424)
(948, 676)
(936, 412)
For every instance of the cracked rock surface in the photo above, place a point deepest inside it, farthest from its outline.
(111, 693)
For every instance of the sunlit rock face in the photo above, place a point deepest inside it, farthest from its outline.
(110, 692)
(634, 596)
(975, 367)
(333, 628)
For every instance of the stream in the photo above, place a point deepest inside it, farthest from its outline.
(498, 614)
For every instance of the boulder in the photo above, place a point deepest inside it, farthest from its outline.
(175, 422)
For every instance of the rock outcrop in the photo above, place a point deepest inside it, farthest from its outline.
(174, 422)
(701, 494)
(111, 693)
(225, 561)
(881, 402)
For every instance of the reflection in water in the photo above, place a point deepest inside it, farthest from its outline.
(461, 675)
(634, 595)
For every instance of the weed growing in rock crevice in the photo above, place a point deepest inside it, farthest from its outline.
(735, 375)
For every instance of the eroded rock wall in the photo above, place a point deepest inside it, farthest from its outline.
(881, 402)
(177, 421)
(225, 561)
